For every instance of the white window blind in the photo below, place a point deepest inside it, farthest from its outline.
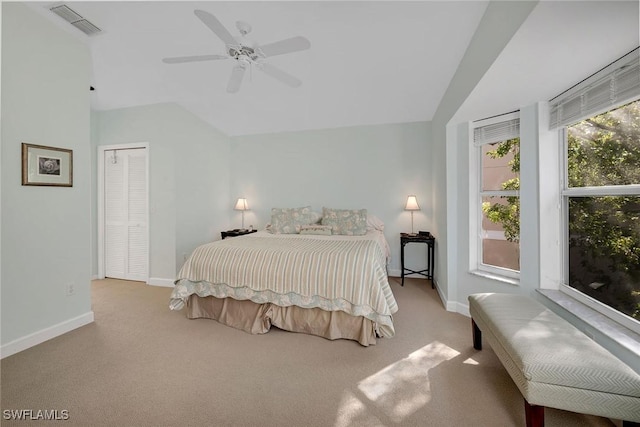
(496, 132)
(612, 86)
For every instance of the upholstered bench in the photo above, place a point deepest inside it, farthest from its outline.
(552, 362)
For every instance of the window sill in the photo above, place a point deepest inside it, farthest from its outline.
(619, 340)
(496, 277)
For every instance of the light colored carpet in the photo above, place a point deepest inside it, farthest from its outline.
(141, 364)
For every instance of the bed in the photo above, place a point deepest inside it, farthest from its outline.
(334, 286)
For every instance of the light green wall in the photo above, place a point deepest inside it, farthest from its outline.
(189, 179)
(499, 23)
(45, 230)
(197, 174)
(372, 167)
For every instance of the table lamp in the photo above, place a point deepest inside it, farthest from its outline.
(242, 205)
(412, 205)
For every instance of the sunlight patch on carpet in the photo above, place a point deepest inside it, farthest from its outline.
(353, 411)
(398, 390)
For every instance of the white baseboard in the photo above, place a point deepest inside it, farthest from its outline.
(157, 281)
(463, 309)
(448, 305)
(453, 306)
(393, 273)
(46, 334)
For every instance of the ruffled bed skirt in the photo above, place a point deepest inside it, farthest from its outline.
(256, 318)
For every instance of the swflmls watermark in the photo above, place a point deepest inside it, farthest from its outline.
(35, 414)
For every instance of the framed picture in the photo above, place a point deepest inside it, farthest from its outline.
(46, 166)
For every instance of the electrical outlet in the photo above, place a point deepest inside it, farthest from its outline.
(70, 289)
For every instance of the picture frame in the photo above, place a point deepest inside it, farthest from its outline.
(46, 166)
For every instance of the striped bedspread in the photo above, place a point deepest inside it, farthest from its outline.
(346, 273)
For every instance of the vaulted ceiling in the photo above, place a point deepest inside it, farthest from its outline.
(370, 62)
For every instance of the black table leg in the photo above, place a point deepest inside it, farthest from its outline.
(431, 262)
(402, 263)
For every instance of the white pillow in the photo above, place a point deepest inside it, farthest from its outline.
(374, 223)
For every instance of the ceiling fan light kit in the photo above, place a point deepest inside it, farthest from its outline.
(245, 53)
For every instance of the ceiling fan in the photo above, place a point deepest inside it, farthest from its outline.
(245, 52)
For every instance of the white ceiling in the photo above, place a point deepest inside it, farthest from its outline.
(370, 62)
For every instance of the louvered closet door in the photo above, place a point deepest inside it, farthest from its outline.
(126, 228)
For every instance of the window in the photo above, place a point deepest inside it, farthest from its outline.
(497, 221)
(602, 205)
(599, 121)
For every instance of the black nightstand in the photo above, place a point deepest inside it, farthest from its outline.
(430, 241)
(235, 233)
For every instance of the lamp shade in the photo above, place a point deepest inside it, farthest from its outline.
(242, 205)
(412, 204)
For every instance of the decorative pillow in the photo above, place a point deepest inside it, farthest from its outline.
(323, 230)
(289, 220)
(349, 222)
(315, 217)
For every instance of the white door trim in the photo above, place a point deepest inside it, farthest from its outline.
(100, 200)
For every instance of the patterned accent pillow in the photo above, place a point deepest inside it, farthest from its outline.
(323, 230)
(289, 220)
(315, 217)
(348, 222)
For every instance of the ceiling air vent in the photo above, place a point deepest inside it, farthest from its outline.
(75, 19)
(86, 27)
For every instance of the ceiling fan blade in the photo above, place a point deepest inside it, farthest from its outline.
(236, 79)
(280, 75)
(180, 59)
(294, 44)
(216, 26)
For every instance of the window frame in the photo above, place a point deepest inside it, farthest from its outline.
(476, 214)
(567, 192)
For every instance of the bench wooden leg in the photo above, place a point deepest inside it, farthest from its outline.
(477, 336)
(534, 414)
